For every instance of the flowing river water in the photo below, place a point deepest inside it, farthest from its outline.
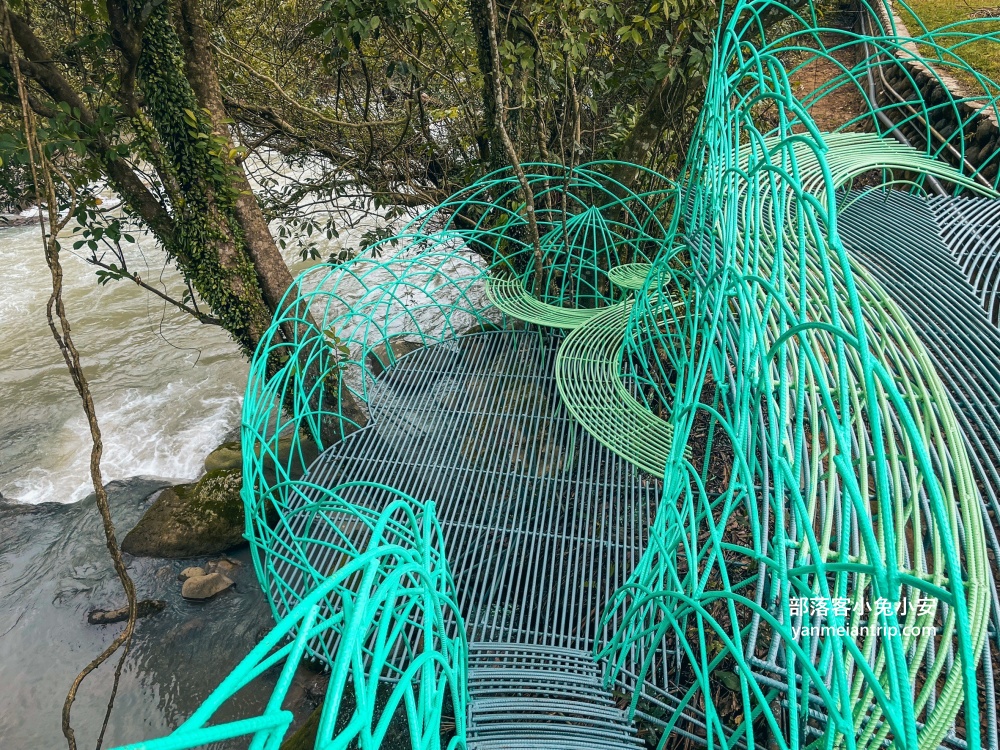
(168, 390)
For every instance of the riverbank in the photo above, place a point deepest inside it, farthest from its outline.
(54, 569)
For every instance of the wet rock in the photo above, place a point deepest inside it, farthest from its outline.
(984, 133)
(451, 395)
(190, 520)
(205, 587)
(479, 354)
(397, 733)
(305, 736)
(314, 688)
(226, 456)
(192, 572)
(295, 461)
(186, 630)
(108, 616)
(224, 566)
(16, 220)
(379, 359)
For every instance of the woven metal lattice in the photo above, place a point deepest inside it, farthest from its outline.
(839, 574)
(833, 573)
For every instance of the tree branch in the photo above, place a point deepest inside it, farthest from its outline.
(276, 121)
(301, 107)
(197, 314)
(39, 67)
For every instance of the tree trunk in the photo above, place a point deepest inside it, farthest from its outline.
(665, 109)
(272, 275)
(491, 147)
(199, 63)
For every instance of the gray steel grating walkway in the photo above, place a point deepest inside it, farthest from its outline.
(896, 238)
(541, 523)
(970, 228)
(528, 697)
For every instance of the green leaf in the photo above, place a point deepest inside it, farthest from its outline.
(729, 679)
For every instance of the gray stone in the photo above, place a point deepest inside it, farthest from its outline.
(226, 456)
(191, 520)
(378, 358)
(16, 220)
(985, 133)
(205, 587)
(142, 609)
(192, 572)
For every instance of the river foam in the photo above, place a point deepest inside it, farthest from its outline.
(167, 389)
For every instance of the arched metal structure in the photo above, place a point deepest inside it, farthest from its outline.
(816, 571)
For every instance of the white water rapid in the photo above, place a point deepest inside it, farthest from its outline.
(167, 388)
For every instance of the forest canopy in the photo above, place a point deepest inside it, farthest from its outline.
(181, 107)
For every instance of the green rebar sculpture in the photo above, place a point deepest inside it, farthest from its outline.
(386, 608)
(836, 572)
(848, 470)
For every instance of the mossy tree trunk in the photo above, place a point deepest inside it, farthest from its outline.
(220, 241)
(202, 210)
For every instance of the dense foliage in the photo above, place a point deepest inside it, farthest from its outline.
(183, 107)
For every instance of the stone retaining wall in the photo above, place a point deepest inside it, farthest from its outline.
(936, 87)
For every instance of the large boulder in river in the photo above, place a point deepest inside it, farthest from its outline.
(190, 520)
(226, 456)
(230, 456)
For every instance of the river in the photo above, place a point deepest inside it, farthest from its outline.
(54, 568)
(167, 388)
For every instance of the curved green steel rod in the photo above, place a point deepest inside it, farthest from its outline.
(832, 468)
(848, 464)
(394, 592)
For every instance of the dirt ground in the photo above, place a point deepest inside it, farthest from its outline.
(837, 107)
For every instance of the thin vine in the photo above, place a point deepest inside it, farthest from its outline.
(42, 176)
(512, 155)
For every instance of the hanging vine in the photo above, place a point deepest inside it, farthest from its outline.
(42, 172)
